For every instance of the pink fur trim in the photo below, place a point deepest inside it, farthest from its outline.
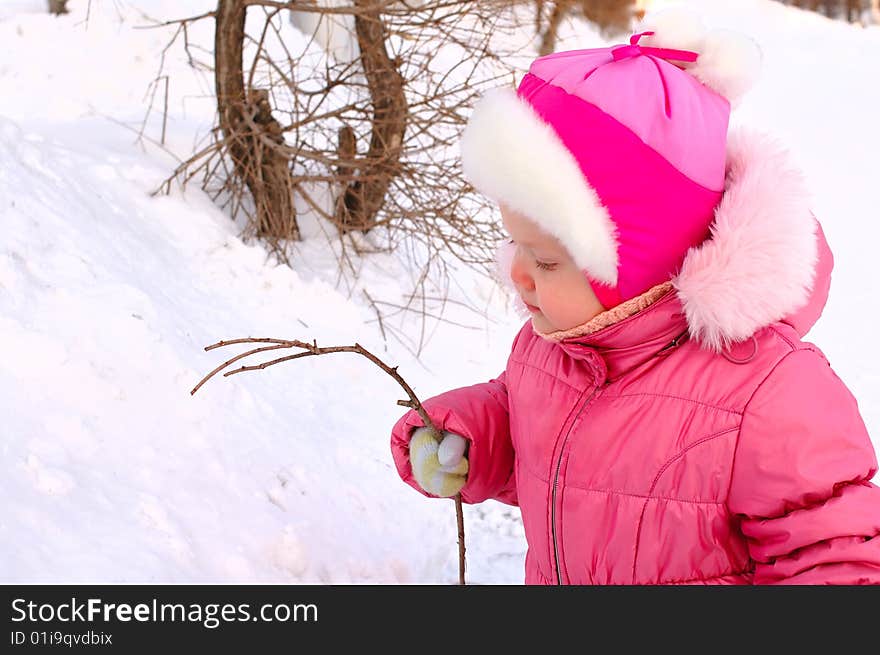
(759, 263)
(611, 316)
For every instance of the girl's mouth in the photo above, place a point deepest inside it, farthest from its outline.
(531, 308)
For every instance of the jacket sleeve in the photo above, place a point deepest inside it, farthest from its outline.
(801, 479)
(478, 413)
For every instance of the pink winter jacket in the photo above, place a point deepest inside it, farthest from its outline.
(698, 440)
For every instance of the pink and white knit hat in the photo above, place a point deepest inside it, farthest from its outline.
(617, 152)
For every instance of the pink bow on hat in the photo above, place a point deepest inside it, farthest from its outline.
(634, 50)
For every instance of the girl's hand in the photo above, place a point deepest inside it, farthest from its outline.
(438, 462)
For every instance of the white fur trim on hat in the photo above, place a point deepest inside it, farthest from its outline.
(512, 156)
(728, 62)
(759, 264)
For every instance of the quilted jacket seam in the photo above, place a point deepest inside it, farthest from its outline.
(546, 372)
(633, 494)
(757, 388)
(738, 412)
(681, 453)
(663, 469)
(712, 577)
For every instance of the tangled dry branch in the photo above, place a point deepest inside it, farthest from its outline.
(311, 349)
(364, 139)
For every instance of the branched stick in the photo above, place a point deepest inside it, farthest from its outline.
(309, 349)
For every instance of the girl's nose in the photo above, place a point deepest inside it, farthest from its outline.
(519, 274)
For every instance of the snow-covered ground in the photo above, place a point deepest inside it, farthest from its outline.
(112, 472)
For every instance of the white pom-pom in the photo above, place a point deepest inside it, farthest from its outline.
(673, 28)
(728, 63)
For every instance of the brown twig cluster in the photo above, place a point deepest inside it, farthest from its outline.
(58, 7)
(363, 137)
(850, 10)
(613, 17)
(367, 143)
(311, 349)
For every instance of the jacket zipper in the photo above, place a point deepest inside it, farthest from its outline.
(589, 399)
(675, 343)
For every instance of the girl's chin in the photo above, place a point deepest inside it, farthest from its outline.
(541, 325)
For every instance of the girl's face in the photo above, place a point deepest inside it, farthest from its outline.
(553, 288)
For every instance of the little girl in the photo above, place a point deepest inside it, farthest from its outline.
(659, 420)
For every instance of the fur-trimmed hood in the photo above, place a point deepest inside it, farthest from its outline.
(767, 259)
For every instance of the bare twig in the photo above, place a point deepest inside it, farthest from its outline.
(378, 317)
(165, 113)
(310, 349)
(191, 19)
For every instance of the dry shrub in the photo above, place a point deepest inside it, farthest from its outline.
(362, 133)
(850, 10)
(58, 7)
(613, 17)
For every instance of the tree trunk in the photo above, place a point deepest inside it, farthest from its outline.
(612, 16)
(812, 5)
(853, 10)
(548, 40)
(364, 198)
(250, 131)
(57, 7)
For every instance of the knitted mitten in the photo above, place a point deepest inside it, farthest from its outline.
(438, 461)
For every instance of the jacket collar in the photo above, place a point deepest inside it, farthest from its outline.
(634, 340)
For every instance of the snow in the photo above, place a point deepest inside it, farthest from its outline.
(113, 472)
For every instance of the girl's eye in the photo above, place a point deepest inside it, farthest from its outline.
(544, 266)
